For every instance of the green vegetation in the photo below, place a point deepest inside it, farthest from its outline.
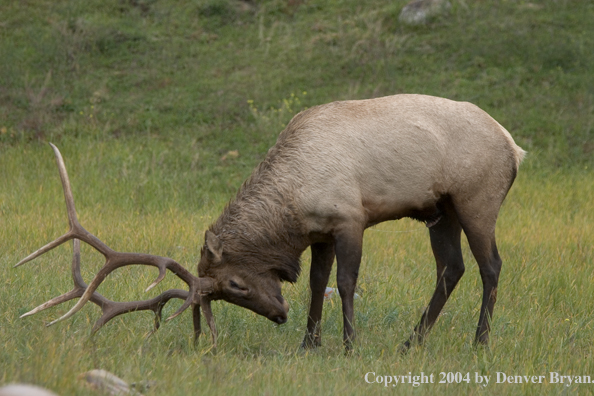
(148, 101)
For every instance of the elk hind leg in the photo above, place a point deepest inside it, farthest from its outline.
(478, 222)
(445, 243)
(484, 249)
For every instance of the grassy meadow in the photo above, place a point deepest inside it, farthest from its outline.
(162, 108)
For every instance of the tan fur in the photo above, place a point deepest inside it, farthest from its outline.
(341, 167)
(375, 160)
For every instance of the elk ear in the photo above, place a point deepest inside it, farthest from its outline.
(214, 247)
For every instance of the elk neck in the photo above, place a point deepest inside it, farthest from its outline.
(261, 228)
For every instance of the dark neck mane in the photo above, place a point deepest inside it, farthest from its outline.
(260, 227)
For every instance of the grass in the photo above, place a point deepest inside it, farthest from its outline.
(148, 101)
(143, 69)
(542, 320)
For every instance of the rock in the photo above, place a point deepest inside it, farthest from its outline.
(418, 12)
(24, 390)
(107, 382)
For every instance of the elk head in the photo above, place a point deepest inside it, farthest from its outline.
(259, 291)
(201, 290)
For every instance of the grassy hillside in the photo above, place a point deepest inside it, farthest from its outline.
(121, 69)
(162, 108)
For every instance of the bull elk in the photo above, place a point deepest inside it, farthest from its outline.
(334, 171)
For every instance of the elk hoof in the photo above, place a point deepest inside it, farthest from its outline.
(311, 342)
(404, 348)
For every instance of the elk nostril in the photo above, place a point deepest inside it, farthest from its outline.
(280, 319)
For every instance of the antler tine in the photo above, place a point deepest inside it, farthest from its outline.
(111, 309)
(196, 321)
(205, 304)
(46, 248)
(72, 216)
(198, 287)
(76, 230)
(79, 284)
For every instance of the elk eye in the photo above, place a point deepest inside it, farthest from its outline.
(234, 285)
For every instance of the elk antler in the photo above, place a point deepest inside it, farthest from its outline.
(198, 295)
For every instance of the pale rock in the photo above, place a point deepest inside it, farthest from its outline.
(418, 12)
(24, 390)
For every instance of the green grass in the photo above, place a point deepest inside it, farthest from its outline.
(146, 98)
(119, 69)
(542, 319)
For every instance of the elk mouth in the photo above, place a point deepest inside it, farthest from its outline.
(279, 319)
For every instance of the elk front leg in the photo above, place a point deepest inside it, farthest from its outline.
(348, 247)
(322, 257)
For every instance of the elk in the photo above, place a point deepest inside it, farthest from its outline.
(334, 171)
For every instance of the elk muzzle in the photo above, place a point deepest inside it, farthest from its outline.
(281, 318)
